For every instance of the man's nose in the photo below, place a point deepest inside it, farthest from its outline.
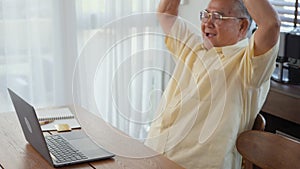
(210, 22)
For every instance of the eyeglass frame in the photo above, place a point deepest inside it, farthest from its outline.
(210, 16)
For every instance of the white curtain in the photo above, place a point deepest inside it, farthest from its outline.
(107, 56)
(123, 66)
(31, 55)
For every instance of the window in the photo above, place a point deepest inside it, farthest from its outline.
(123, 67)
(40, 49)
(288, 11)
(30, 52)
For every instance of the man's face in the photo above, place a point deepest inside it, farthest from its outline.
(218, 33)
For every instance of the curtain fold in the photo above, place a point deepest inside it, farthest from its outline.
(29, 52)
(105, 55)
(123, 62)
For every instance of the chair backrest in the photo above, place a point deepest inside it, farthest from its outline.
(259, 123)
(268, 150)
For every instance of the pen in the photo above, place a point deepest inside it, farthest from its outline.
(45, 122)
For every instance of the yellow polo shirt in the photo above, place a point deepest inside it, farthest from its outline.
(212, 96)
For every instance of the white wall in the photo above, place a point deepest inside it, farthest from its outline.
(190, 10)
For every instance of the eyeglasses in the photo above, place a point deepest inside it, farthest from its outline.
(215, 16)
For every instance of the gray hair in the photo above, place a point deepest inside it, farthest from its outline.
(240, 8)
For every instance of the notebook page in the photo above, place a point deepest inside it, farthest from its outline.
(73, 123)
(54, 114)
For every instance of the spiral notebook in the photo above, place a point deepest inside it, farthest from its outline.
(57, 116)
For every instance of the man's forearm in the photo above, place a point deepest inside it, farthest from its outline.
(268, 24)
(169, 7)
(261, 11)
(167, 12)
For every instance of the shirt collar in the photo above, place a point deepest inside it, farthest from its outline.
(231, 50)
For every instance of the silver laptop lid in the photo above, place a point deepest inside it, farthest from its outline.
(30, 125)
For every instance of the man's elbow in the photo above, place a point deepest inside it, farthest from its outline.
(275, 28)
(275, 25)
(271, 28)
(272, 24)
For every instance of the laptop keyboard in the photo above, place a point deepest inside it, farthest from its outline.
(62, 150)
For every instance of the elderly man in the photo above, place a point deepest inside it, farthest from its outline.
(219, 84)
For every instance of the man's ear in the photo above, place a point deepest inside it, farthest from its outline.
(244, 24)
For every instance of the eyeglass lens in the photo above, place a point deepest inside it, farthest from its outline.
(204, 16)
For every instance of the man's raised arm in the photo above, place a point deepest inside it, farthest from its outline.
(167, 12)
(268, 24)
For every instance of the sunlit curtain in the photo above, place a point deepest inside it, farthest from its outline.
(123, 65)
(107, 56)
(31, 56)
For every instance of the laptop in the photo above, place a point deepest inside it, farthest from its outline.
(60, 149)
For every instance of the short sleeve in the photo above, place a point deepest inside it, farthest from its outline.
(260, 68)
(181, 40)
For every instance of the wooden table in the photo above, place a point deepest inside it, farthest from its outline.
(282, 109)
(268, 150)
(283, 101)
(16, 153)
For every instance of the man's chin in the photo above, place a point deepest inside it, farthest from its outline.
(207, 44)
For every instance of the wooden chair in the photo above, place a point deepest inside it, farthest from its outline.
(259, 124)
(268, 150)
